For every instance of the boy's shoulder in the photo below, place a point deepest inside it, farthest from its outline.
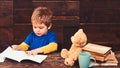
(31, 34)
(51, 33)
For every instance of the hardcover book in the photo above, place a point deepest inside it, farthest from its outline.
(99, 52)
(21, 55)
(111, 60)
(95, 48)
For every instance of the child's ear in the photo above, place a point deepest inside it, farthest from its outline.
(50, 26)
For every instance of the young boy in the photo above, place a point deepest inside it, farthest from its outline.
(41, 40)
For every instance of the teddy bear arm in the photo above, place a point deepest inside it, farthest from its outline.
(64, 53)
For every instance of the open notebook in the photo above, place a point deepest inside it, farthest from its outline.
(20, 55)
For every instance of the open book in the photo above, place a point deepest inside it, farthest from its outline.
(21, 55)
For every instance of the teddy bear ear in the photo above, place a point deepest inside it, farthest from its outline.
(80, 30)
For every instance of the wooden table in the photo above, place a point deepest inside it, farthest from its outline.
(52, 61)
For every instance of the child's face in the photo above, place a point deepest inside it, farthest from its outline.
(40, 29)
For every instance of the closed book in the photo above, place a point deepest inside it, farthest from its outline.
(111, 60)
(99, 52)
(98, 49)
(99, 57)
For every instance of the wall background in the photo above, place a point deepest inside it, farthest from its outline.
(98, 18)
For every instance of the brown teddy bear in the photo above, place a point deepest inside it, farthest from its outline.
(78, 41)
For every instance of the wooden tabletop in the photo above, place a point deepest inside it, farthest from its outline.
(52, 61)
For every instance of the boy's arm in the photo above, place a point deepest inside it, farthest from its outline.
(50, 47)
(23, 46)
(45, 49)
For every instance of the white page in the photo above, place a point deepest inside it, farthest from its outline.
(36, 58)
(13, 54)
(2, 58)
(21, 55)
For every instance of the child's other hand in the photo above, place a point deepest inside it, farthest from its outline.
(15, 47)
(32, 52)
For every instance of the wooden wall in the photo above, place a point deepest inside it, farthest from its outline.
(66, 14)
(98, 18)
(6, 23)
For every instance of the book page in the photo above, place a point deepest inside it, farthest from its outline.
(2, 58)
(35, 58)
(12, 54)
(21, 55)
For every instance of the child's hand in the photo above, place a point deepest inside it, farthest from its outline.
(32, 52)
(15, 47)
(35, 51)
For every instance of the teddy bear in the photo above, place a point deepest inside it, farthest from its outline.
(79, 39)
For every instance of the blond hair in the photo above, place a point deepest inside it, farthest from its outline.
(42, 15)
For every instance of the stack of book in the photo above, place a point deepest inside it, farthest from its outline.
(103, 54)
